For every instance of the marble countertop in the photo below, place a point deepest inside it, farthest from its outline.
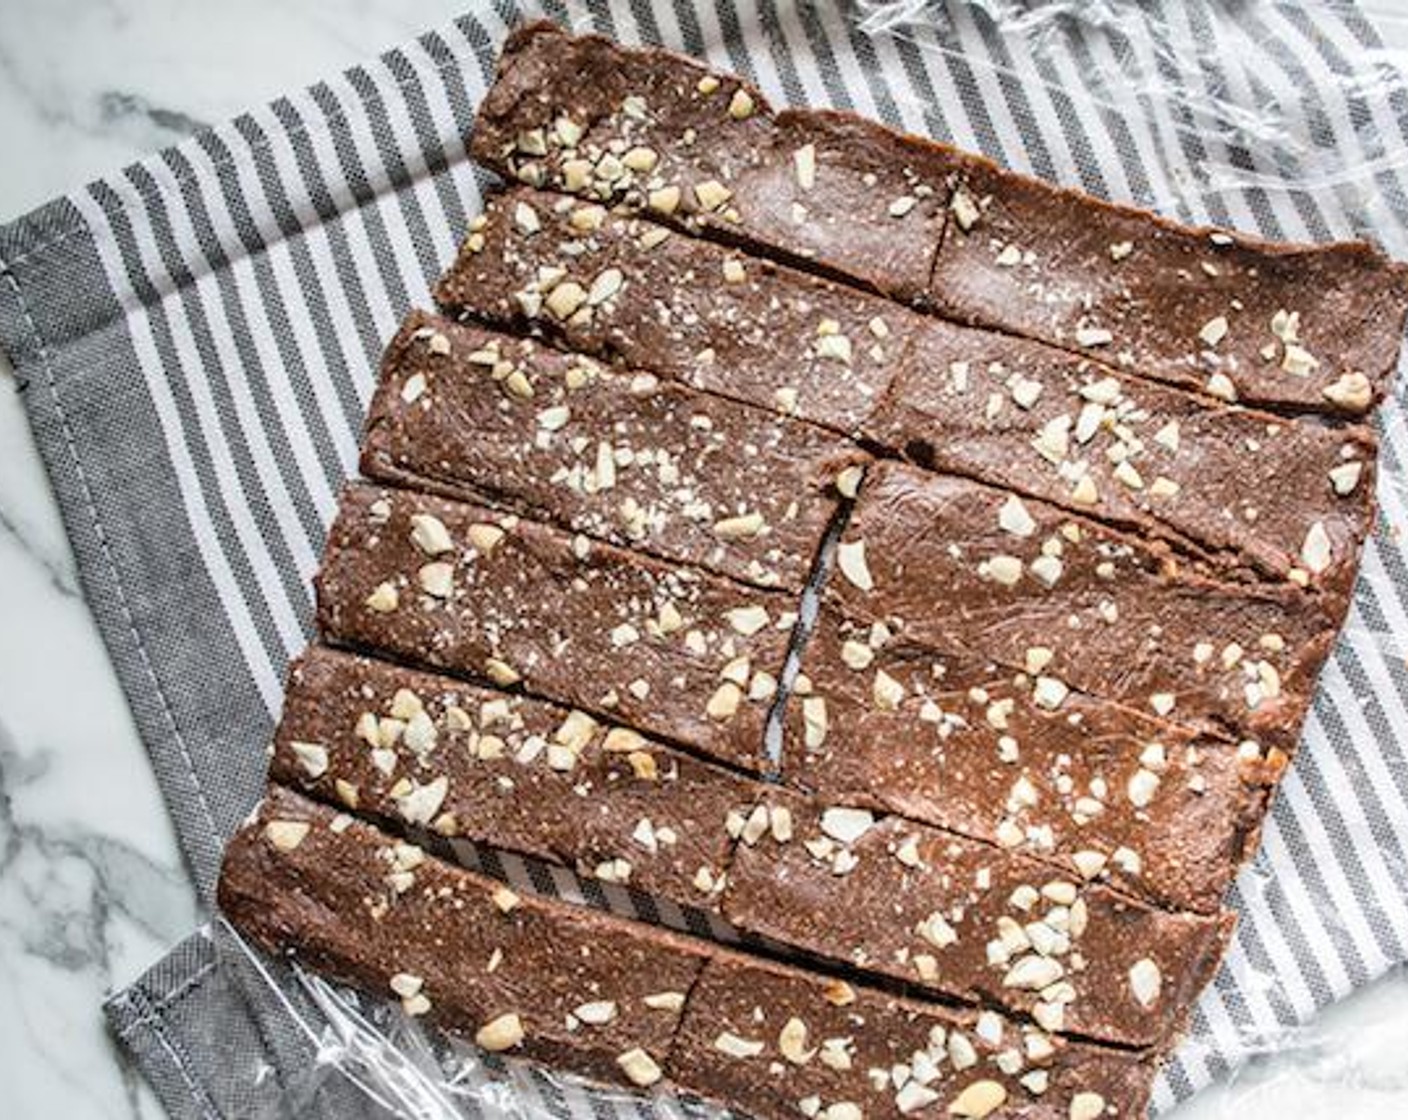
(92, 888)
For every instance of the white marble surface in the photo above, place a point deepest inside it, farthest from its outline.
(92, 889)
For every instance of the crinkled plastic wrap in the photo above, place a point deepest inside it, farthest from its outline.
(1287, 119)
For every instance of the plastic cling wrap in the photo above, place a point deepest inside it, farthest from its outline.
(1285, 119)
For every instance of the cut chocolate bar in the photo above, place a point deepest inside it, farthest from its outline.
(1101, 791)
(424, 750)
(777, 1043)
(632, 1004)
(691, 657)
(965, 920)
(1253, 494)
(623, 457)
(517, 974)
(1311, 327)
(1269, 496)
(1121, 619)
(659, 132)
(1314, 327)
(690, 310)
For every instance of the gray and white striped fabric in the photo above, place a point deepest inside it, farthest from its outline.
(197, 338)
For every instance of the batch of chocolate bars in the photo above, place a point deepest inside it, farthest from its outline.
(1080, 494)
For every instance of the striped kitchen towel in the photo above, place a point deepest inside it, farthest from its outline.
(196, 337)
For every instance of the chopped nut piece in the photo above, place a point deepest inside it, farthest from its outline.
(665, 1001)
(1350, 391)
(1316, 553)
(850, 559)
(848, 481)
(711, 194)
(966, 211)
(980, 1099)
(312, 757)
(888, 693)
(666, 200)
(502, 1033)
(639, 1067)
(1087, 1106)
(740, 105)
(846, 825)
(1145, 982)
(1214, 330)
(1093, 336)
(737, 528)
(792, 1042)
(804, 163)
(1345, 477)
(1014, 518)
(437, 579)
(736, 1047)
(505, 899)
(286, 835)
(430, 535)
(1049, 693)
(596, 1013)
(383, 599)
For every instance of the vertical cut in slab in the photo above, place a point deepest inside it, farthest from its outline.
(668, 651)
(622, 456)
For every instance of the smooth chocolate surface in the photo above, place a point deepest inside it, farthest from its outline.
(1258, 495)
(777, 1042)
(1314, 327)
(956, 566)
(689, 310)
(668, 651)
(595, 994)
(621, 456)
(506, 770)
(1104, 793)
(524, 976)
(966, 921)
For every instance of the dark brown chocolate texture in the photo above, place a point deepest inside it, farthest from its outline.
(968, 921)
(518, 975)
(1255, 495)
(692, 311)
(662, 134)
(1307, 327)
(621, 456)
(1063, 656)
(631, 1004)
(1122, 620)
(669, 651)
(416, 749)
(1103, 792)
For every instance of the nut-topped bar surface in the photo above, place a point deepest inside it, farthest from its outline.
(1309, 327)
(621, 456)
(696, 312)
(666, 650)
(415, 749)
(1104, 792)
(969, 921)
(632, 1004)
(1258, 496)
(1122, 620)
